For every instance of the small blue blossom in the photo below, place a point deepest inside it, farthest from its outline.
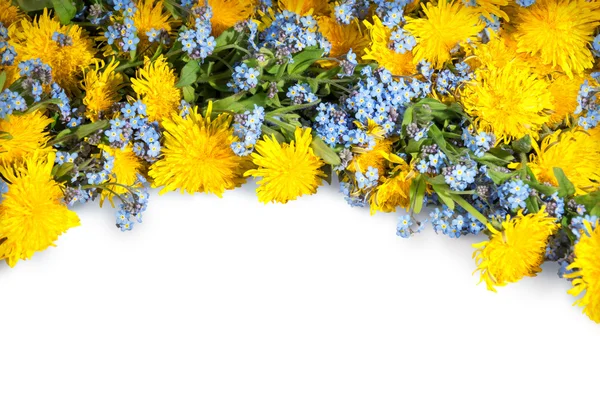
(525, 3)
(244, 78)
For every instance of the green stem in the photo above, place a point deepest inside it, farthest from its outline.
(231, 46)
(292, 108)
(468, 207)
(122, 67)
(523, 169)
(214, 78)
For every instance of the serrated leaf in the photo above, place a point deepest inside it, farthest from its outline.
(324, 151)
(189, 74)
(565, 187)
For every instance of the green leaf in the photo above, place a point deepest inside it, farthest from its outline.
(417, 193)
(499, 177)
(233, 104)
(438, 137)
(565, 187)
(532, 205)
(437, 180)
(87, 129)
(408, 116)
(545, 189)
(442, 192)
(432, 103)
(227, 37)
(39, 106)
(590, 200)
(324, 151)
(275, 102)
(314, 85)
(304, 59)
(188, 94)
(63, 133)
(328, 170)
(189, 73)
(61, 170)
(2, 79)
(268, 131)
(5, 135)
(274, 69)
(65, 10)
(522, 145)
(490, 159)
(413, 146)
(34, 5)
(171, 6)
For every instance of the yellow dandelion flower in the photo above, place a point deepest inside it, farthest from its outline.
(564, 91)
(496, 53)
(32, 214)
(595, 135)
(446, 26)
(197, 155)
(516, 251)
(487, 8)
(342, 38)
(155, 86)
(509, 101)
(375, 158)
(305, 7)
(576, 153)
(586, 271)
(287, 170)
(33, 39)
(559, 32)
(150, 14)
(397, 63)
(101, 85)
(28, 133)
(9, 13)
(126, 168)
(394, 191)
(226, 13)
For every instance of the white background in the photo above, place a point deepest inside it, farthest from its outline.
(232, 298)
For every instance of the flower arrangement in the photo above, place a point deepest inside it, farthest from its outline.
(482, 114)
